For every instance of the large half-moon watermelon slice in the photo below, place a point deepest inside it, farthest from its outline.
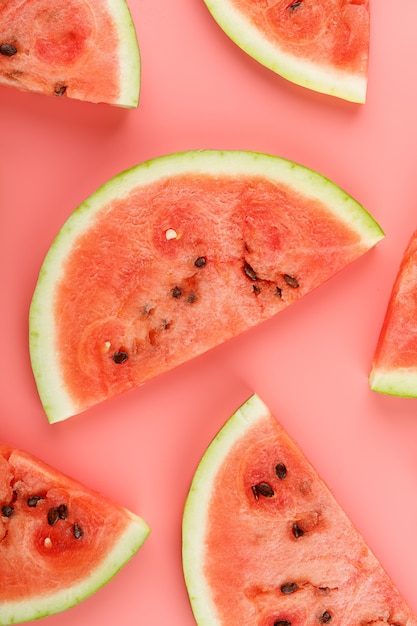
(394, 367)
(266, 543)
(319, 44)
(174, 257)
(59, 540)
(83, 49)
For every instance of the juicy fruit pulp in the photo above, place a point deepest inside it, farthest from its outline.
(176, 256)
(265, 542)
(320, 44)
(59, 541)
(394, 367)
(83, 49)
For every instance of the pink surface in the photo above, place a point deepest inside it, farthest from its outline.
(310, 363)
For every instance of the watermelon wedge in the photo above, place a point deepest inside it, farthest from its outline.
(266, 543)
(394, 366)
(174, 257)
(82, 49)
(59, 540)
(320, 44)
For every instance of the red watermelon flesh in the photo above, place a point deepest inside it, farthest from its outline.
(222, 253)
(266, 543)
(59, 541)
(84, 49)
(320, 44)
(394, 367)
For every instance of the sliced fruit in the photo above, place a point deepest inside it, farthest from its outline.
(394, 367)
(266, 543)
(59, 540)
(174, 257)
(319, 44)
(83, 49)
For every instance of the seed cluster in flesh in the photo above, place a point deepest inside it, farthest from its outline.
(265, 490)
(53, 516)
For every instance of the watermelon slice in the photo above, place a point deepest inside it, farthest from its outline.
(394, 367)
(59, 541)
(319, 44)
(266, 543)
(83, 49)
(174, 257)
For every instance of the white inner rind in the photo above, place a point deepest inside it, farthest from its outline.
(129, 55)
(401, 382)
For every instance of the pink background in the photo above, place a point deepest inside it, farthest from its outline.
(310, 363)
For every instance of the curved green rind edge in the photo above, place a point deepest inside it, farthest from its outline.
(243, 33)
(129, 54)
(123, 550)
(57, 404)
(197, 505)
(401, 382)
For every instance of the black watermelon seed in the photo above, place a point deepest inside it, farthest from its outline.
(288, 588)
(281, 471)
(325, 618)
(7, 49)
(33, 501)
(278, 292)
(200, 261)
(282, 622)
(53, 516)
(295, 5)
(63, 511)
(7, 510)
(176, 292)
(120, 356)
(191, 298)
(297, 531)
(263, 489)
(60, 90)
(250, 272)
(77, 531)
(291, 281)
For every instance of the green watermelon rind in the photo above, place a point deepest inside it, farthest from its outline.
(195, 516)
(401, 382)
(126, 546)
(129, 54)
(324, 79)
(57, 403)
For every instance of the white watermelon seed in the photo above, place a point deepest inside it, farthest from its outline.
(170, 234)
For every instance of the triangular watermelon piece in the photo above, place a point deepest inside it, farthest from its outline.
(266, 543)
(59, 540)
(83, 49)
(394, 367)
(319, 44)
(174, 257)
